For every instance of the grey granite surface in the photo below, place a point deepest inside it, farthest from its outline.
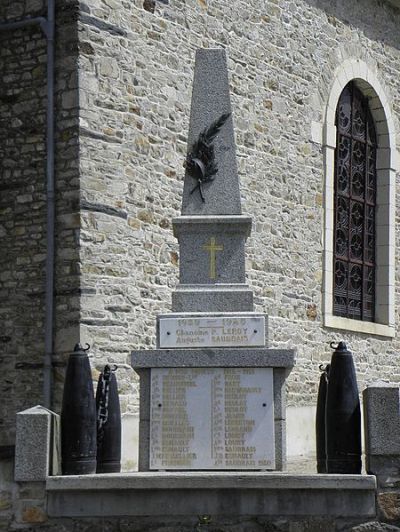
(234, 494)
(382, 419)
(382, 433)
(233, 222)
(210, 99)
(213, 256)
(205, 479)
(280, 445)
(260, 357)
(280, 375)
(144, 419)
(36, 449)
(212, 298)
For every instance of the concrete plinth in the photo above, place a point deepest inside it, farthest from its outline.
(215, 494)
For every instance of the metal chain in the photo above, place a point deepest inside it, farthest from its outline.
(102, 413)
(325, 370)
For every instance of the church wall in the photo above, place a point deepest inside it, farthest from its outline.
(135, 80)
(22, 215)
(127, 77)
(129, 73)
(23, 61)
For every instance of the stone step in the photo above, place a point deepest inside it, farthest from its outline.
(216, 494)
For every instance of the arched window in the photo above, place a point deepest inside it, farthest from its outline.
(360, 165)
(354, 208)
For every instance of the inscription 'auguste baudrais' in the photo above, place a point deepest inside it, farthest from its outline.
(208, 332)
(217, 336)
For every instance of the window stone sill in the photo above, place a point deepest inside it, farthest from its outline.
(366, 327)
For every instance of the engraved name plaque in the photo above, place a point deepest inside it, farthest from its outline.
(212, 418)
(212, 332)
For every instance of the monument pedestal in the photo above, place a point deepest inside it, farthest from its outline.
(244, 429)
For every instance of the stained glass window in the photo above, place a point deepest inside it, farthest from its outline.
(355, 200)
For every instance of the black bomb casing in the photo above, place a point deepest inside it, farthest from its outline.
(78, 417)
(342, 415)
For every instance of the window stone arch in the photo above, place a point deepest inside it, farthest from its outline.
(386, 161)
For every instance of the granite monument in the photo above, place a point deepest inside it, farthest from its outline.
(212, 395)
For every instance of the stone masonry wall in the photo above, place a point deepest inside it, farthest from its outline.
(23, 211)
(136, 68)
(23, 60)
(127, 78)
(119, 187)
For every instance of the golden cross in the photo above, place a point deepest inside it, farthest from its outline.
(213, 248)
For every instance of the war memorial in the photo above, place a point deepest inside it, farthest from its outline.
(212, 428)
(212, 365)
(226, 272)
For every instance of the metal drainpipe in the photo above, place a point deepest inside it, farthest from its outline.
(49, 318)
(47, 26)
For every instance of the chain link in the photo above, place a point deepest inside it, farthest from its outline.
(102, 413)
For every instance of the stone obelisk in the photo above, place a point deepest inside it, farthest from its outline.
(212, 231)
(212, 394)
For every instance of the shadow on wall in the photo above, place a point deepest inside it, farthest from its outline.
(364, 17)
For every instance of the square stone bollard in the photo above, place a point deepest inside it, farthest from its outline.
(382, 433)
(37, 446)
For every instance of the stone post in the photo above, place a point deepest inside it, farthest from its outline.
(37, 445)
(382, 445)
(37, 456)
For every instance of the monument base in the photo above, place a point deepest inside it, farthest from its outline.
(184, 494)
(279, 361)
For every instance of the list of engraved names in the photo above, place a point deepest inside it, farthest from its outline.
(212, 418)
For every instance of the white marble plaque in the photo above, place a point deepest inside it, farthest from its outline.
(212, 418)
(246, 331)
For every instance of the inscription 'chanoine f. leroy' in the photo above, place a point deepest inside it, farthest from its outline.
(212, 248)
